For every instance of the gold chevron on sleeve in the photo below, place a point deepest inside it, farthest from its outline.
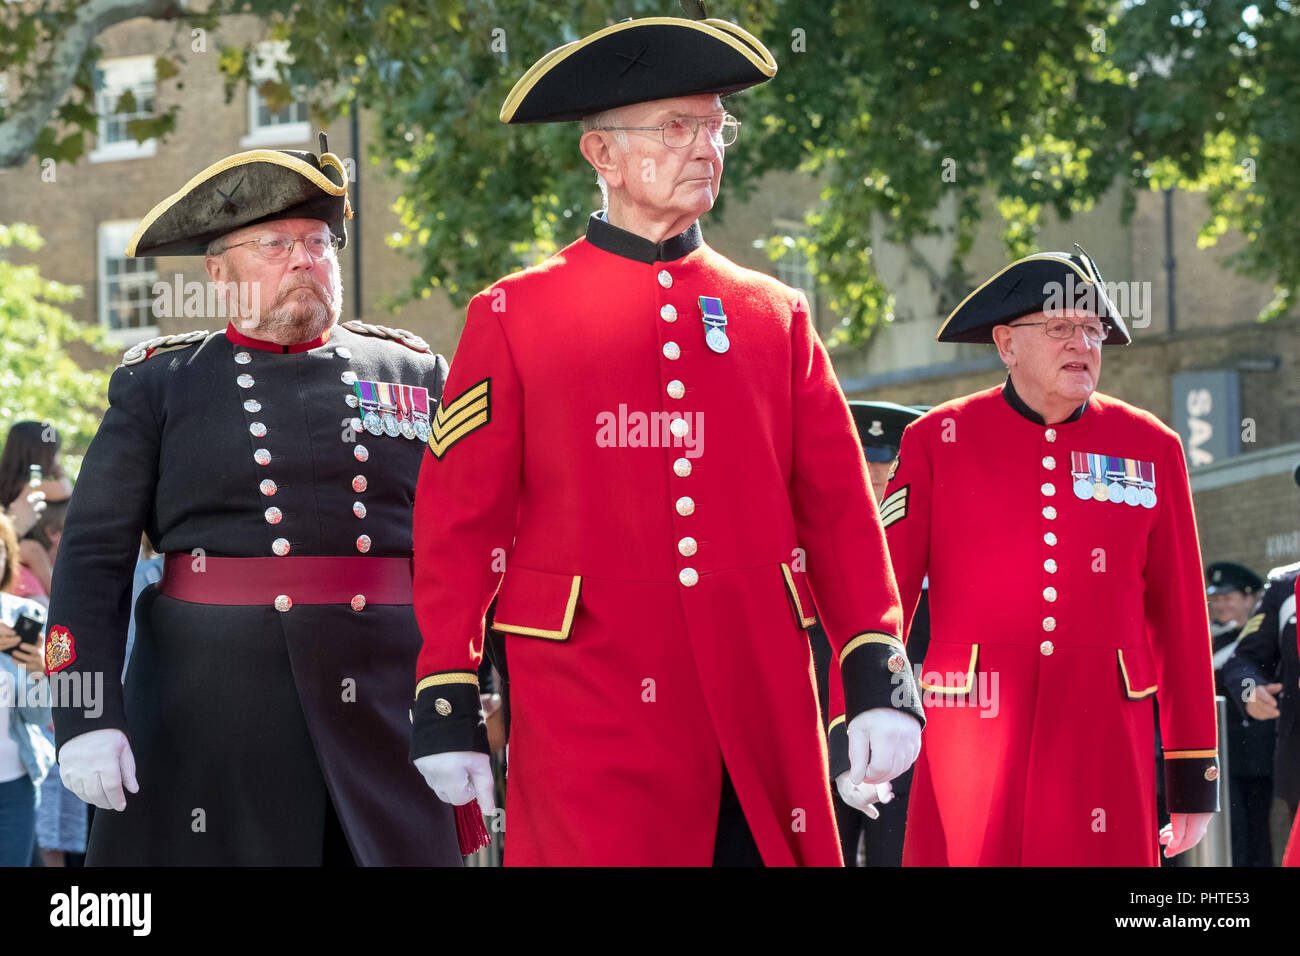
(464, 416)
(894, 507)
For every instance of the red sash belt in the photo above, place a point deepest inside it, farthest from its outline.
(305, 580)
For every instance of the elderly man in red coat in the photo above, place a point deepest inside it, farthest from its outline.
(649, 441)
(1055, 524)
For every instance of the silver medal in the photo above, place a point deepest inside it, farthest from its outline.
(717, 340)
(373, 424)
(390, 425)
(408, 430)
(1083, 489)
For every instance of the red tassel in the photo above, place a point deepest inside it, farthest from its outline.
(470, 831)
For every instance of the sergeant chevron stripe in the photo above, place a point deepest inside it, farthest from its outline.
(894, 507)
(466, 415)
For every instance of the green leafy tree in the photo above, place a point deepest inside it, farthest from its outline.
(900, 111)
(40, 378)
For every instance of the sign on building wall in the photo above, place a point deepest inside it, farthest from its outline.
(1207, 415)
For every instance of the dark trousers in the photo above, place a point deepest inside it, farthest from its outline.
(735, 844)
(1252, 798)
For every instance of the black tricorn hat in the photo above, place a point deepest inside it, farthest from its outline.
(880, 425)
(1037, 283)
(1230, 576)
(244, 189)
(653, 58)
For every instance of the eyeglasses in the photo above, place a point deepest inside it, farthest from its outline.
(1094, 330)
(680, 131)
(280, 246)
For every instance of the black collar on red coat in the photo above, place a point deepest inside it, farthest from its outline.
(602, 234)
(239, 338)
(1018, 403)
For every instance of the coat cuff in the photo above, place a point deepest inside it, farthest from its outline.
(448, 715)
(876, 673)
(837, 746)
(1192, 781)
(73, 713)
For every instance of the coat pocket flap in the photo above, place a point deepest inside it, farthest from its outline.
(537, 603)
(1138, 671)
(801, 600)
(949, 668)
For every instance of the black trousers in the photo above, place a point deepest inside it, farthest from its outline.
(1252, 798)
(735, 844)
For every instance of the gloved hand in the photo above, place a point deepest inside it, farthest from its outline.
(1183, 831)
(883, 743)
(94, 766)
(863, 796)
(459, 777)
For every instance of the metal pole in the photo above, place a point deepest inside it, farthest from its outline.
(358, 304)
(1216, 848)
(1171, 264)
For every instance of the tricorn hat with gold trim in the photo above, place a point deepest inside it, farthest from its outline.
(244, 189)
(1037, 283)
(653, 58)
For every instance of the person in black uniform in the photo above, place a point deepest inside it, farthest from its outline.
(263, 718)
(880, 429)
(1262, 681)
(1234, 591)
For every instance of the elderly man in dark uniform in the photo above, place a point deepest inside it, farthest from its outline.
(645, 449)
(1234, 591)
(262, 719)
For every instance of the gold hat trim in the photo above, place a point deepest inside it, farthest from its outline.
(747, 45)
(273, 156)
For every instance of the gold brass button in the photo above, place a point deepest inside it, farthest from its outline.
(668, 313)
(687, 547)
(1049, 462)
(672, 351)
(1049, 624)
(676, 389)
(665, 279)
(1050, 565)
(1049, 513)
(1049, 594)
(1047, 647)
(443, 706)
(283, 603)
(689, 577)
(1211, 773)
(679, 427)
(896, 663)
(685, 506)
(1050, 434)
(682, 467)
(1049, 538)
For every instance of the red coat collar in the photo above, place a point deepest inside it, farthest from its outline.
(240, 339)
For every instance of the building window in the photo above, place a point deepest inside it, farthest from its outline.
(288, 125)
(131, 77)
(125, 286)
(793, 269)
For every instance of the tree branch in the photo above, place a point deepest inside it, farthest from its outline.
(19, 131)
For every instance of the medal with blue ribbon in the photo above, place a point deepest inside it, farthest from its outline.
(715, 324)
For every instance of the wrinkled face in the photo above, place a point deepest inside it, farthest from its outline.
(1068, 368)
(297, 293)
(662, 181)
(1228, 606)
(878, 471)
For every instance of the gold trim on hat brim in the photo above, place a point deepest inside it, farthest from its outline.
(745, 43)
(274, 156)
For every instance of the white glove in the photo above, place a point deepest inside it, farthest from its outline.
(94, 766)
(862, 796)
(883, 742)
(459, 777)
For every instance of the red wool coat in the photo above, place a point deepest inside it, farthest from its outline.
(1292, 855)
(656, 586)
(1058, 611)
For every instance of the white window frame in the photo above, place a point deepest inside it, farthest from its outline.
(112, 240)
(270, 53)
(788, 273)
(120, 74)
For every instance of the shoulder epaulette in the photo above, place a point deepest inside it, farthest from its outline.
(409, 339)
(161, 343)
(1284, 571)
